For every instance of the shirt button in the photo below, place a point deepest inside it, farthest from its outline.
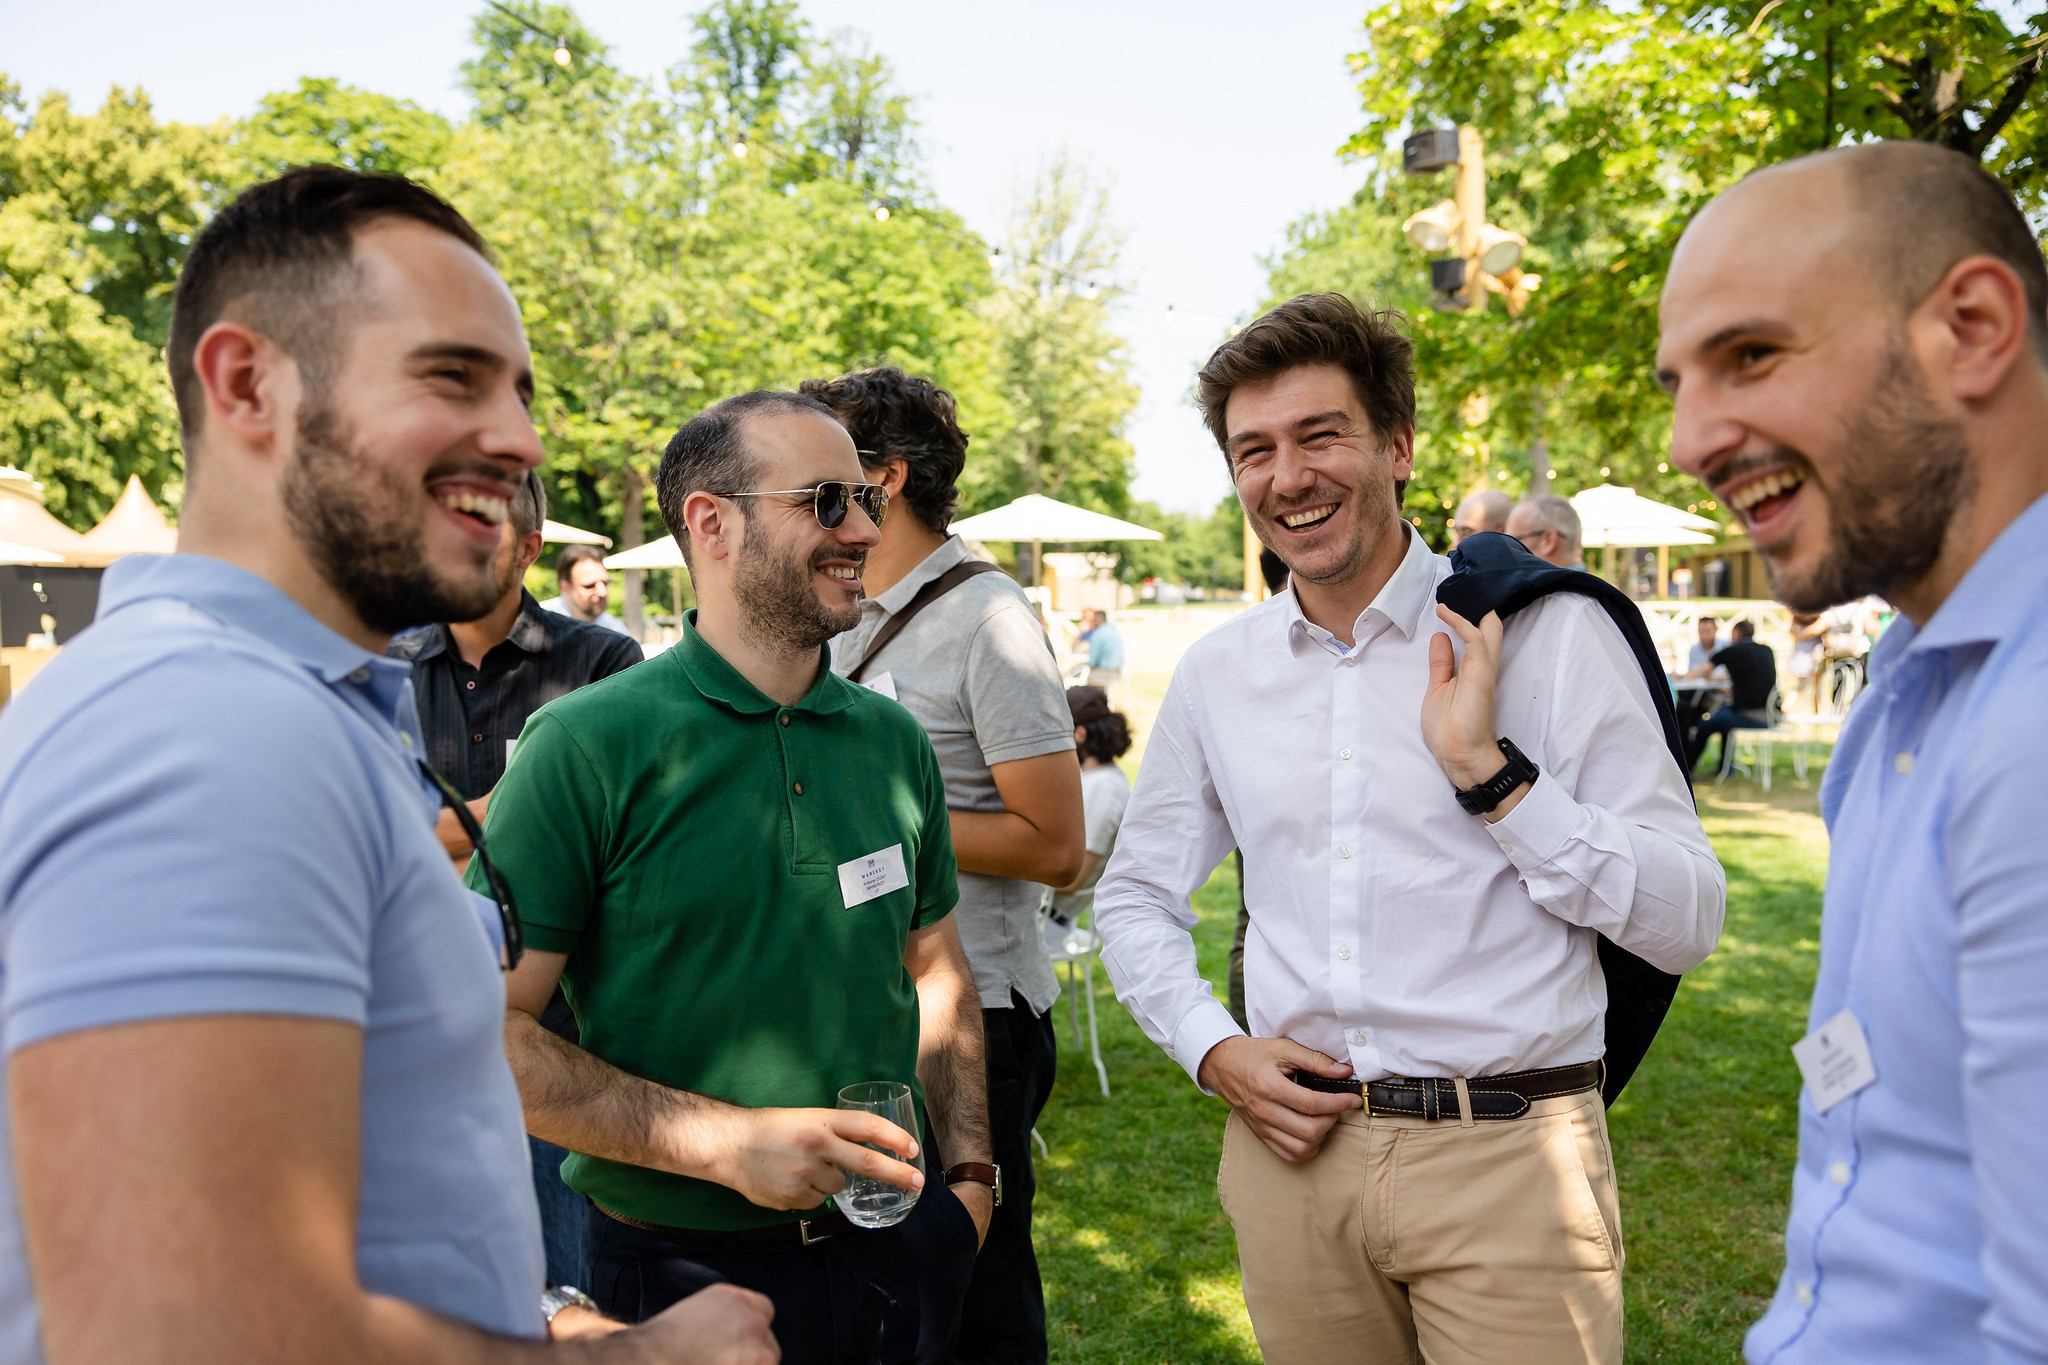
(1343, 954)
(1507, 848)
(1351, 662)
(471, 684)
(1343, 753)
(476, 739)
(405, 739)
(361, 675)
(785, 717)
(1839, 1172)
(1904, 763)
(799, 789)
(1343, 850)
(1804, 1293)
(1358, 1037)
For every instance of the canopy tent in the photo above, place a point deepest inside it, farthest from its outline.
(571, 535)
(655, 554)
(1037, 518)
(135, 526)
(1620, 518)
(14, 553)
(24, 522)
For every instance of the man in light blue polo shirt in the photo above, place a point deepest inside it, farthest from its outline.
(257, 1107)
(1887, 432)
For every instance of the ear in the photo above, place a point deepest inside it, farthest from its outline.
(1980, 324)
(891, 476)
(529, 551)
(252, 388)
(1402, 446)
(713, 525)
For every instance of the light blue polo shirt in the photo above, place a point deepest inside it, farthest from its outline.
(209, 805)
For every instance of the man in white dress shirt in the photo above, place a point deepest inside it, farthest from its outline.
(1467, 1211)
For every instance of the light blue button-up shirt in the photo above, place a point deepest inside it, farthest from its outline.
(209, 804)
(1919, 1223)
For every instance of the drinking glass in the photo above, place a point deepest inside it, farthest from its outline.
(871, 1203)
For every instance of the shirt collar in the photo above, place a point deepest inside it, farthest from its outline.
(954, 551)
(1400, 602)
(719, 681)
(238, 598)
(2002, 590)
(529, 628)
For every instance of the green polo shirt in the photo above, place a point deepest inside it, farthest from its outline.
(680, 837)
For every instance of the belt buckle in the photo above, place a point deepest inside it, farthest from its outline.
(1365, 1096)
(803, 1232)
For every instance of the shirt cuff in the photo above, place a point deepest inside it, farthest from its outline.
(1206, 1025)
(1031, 746)
(1537, 829)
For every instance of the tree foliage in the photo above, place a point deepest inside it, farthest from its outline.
(1608, 125)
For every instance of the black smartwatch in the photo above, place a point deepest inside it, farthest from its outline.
(1482, 799)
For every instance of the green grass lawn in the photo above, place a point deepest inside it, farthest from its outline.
(1140, 1264)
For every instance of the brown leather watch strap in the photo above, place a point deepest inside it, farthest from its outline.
(980, 1172)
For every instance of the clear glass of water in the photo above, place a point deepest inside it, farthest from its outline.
(874, 1203)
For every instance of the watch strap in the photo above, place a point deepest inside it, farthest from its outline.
(553, 1300)
(980, 1172)
(1487, 796)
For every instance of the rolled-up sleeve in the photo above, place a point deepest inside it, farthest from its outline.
(1608, 838)
(1174, 833)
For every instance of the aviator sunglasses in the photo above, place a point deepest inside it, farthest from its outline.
(830, 500)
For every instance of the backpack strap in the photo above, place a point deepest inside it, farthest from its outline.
(926, 595)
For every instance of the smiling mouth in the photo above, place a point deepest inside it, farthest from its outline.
(1308, 518)
(844, 573)
(481, 507)
(1760, 499)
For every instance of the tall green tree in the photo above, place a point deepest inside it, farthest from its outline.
(96, 211)
(325, 120)
(1608, 125)
(1060, 368)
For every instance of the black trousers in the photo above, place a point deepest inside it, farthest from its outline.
(1004, 1320)
(868, 1295)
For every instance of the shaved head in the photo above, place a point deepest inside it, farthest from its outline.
(1924, 207)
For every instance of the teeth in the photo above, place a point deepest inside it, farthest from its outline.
(1298, 519)
(1750, 494)
(482, 506)
(850, 575)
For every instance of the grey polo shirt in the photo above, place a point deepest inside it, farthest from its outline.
(976, 670)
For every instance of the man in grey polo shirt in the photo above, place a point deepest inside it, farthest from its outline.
(256, 1105)
(974, 666)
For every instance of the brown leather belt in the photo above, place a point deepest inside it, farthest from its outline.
(806, 1231)
(1436, 1097)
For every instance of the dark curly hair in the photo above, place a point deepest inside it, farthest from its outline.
(1105, 734)
(896, 416)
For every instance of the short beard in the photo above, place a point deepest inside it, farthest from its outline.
(362, 524)
(1375, 505)
(1889, 517)
(779, 607)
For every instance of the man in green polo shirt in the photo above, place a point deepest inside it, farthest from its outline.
(739, 868)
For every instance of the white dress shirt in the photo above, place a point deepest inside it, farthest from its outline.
(1389, 928)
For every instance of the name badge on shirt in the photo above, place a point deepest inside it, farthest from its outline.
(1835, 1060)
(883, 683)
(877, 874)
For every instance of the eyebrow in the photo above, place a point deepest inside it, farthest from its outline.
(482, 356)
(1334, 415)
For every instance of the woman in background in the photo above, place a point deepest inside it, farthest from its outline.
(1102, 736)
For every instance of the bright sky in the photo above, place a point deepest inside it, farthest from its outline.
(1217, 123)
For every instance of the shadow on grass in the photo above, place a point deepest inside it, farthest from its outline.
(1139, 1261)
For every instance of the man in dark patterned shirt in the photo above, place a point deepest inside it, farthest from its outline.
(475, 683)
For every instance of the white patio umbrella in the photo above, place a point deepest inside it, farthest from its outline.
(571, 535)
(1620, 518)
(655, 554)
(14, 552)
(1037, 518)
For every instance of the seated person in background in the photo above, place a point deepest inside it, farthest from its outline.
(1549, 525)
(1102, 736)
(586, 588)
(1699, 660)
(1752, 674)
(474, 683)
(1807, 631)
(1105, 650)
(1487, 510)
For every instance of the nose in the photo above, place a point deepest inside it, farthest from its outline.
(509, 433)
(1291, 471)
(1703, 432)
(858, 528)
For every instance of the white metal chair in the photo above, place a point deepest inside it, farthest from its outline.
(1763, 742)
(1073, 944)
(1806, 732)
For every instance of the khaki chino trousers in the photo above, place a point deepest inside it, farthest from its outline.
(1402, 1240)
